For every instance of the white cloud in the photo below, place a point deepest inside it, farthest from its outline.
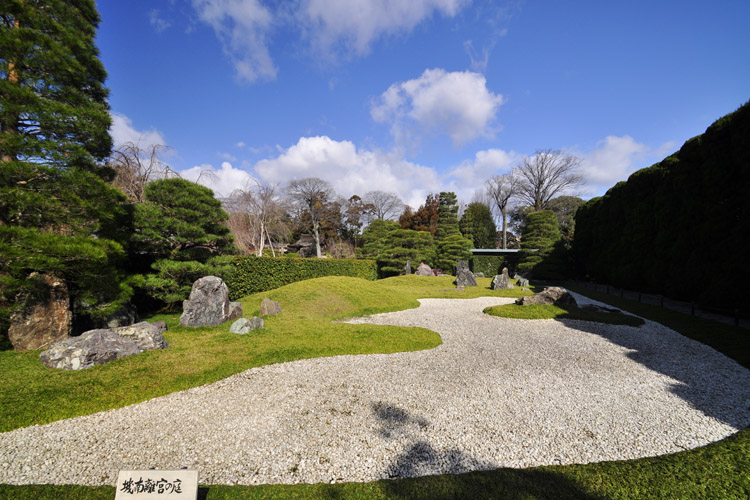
(240, 144)
(470, 175)
(349, 27)
(222, 181)
(458, 104)
(614, 160)
(122, 131)
(349, 170)
(243, 27)
(160, 24)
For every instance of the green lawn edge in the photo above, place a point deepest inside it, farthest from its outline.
(544, 311)
(716, 471)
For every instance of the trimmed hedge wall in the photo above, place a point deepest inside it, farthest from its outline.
(251, 274)
(678, 228)
(491, 265)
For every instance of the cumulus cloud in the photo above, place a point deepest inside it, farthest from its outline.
(349, 27)
(349, 170)
(243, 27)
(457, 104)
(612, 161)
(123, 131)
(222, 181)
(470, 175)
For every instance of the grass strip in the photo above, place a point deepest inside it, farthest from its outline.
(540, 311)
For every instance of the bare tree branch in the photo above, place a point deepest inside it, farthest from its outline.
(547, 174)
(501, 189)
(135, 167)
(387, 206)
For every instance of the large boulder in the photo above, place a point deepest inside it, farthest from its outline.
(39, 322)
(96, 347)
(423, 270)
(208, 304)
(551, 296)
(501, 282)
(464, 277)
(147, 336)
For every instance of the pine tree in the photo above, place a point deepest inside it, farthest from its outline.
(402, 245)
(541, 247)
(478, 225)
(58, 215)
(451, 246)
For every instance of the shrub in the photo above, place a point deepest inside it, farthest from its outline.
(250, 274)
(402, 245)
(490, 265)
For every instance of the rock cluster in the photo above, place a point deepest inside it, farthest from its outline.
(209, 304)
(100, 346)
(502, 281)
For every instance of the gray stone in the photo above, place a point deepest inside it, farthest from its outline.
(147, 336)
(479, 275)
(423, 270)
(40, 322)
(407, 269)
(209, 304)
(245, 325)
(96, 347)
(522, 282)
(501, 282)
(504, 272)
(551, 296)
(464, 277)
(269, 307)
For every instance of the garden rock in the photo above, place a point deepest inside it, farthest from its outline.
(522, 282)
(209, 304)
(551, 296)
(501, 282)
(464, 277)
(269, 307)
(96, 347)
(245, 325)
(147, 336)
(423, 270)
(407, 268)
(44, 321)
(479, 275)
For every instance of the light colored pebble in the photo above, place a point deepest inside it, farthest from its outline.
(497, 393)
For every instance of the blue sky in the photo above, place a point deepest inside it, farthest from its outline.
(418, 96)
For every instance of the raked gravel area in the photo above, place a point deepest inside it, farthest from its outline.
(497, 393)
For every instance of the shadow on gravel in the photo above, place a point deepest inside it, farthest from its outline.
(687, 368)
(423, 472)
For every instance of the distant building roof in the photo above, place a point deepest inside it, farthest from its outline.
(494, 251)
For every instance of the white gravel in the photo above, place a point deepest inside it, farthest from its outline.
(497, 393)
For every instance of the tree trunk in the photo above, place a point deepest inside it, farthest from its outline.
(505, 240)
(316, 236)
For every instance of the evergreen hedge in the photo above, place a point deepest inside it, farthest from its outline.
(491, 265)
(250, 274)
(680, 227)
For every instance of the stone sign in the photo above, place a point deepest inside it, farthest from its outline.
(157, 484)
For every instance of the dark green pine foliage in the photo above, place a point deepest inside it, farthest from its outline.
(402, 245)
(374, 238)
(58, 215)
(541, 247)
(180, 234)
(450, 244)
(478, 225)
(680, 227)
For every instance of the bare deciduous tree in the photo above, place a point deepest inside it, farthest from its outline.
(256, 217)
(312, 195)
(136, 166)
(386, 205)
(546, 175)
(501, 189)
